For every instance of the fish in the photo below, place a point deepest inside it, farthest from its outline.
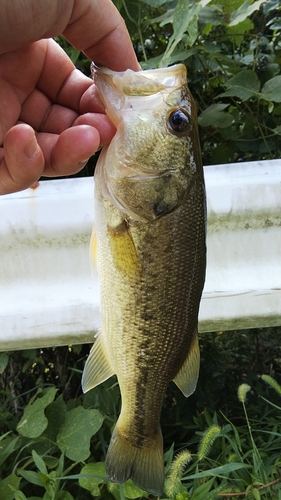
(150, 228)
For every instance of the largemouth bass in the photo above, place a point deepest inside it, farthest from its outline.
(150, 228)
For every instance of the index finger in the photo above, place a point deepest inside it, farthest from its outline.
(100, 32)
(93, 26)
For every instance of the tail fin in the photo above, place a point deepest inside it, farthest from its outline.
(143, 464)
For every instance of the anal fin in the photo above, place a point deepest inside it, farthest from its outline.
(186, 378)
(97, 368)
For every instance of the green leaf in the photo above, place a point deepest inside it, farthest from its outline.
(132, 491)
(48, 482)
(91, 483)
(19, 495)
(7, 447)
(211, 15)
(8, 486)
(237, 32)
(4, 359)
(222, 469)
(74, 54)
(76, 432)
(34, 422)
(30, 476)
(116, 490)
(55, 413)
(256, 494)
(185, 20)
(244, 11)
(230, 6)
(276, 25)
(4, 436)
(223, 153)
(271, 90)
(104, 398)
(202, 490)
(154, 3)
(60, 466)
(243, 85)
(165, 18)
(39, 462)
(214, 116)
(277, 130)
(64, 495)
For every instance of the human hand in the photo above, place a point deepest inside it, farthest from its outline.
(51, 120)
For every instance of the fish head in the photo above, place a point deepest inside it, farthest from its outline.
(155, 154)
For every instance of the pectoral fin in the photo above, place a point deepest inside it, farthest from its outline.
(124, 251)
(187, 377)
(93, 250)
(97, 368)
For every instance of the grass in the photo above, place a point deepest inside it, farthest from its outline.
(223, 442)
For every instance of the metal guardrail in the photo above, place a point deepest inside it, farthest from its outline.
(48, 296)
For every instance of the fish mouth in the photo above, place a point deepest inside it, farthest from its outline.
(125, 90)
(148, 82)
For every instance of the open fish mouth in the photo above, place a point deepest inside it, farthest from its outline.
(144, 83)
(137, 91)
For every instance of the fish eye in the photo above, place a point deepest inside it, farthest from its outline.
(178, 122)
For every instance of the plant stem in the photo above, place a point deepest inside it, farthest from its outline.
(138, 27)
(244, 493)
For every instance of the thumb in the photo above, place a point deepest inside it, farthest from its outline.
(21, 159)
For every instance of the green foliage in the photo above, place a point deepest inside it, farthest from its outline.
(232, 52)
(76, 431)
(227, 436)
(34, 421)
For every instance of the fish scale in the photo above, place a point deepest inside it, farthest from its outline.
(150, 230)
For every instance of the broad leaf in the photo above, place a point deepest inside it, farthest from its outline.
(244, 11)
(55, 414)
(185, 20)
(132, 491)
(215, 116)
(8, 486)
(271, 90)
(34, 421)
(76, 432)
(91, 483)
(244, 85)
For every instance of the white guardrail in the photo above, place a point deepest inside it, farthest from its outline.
(47, 293)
